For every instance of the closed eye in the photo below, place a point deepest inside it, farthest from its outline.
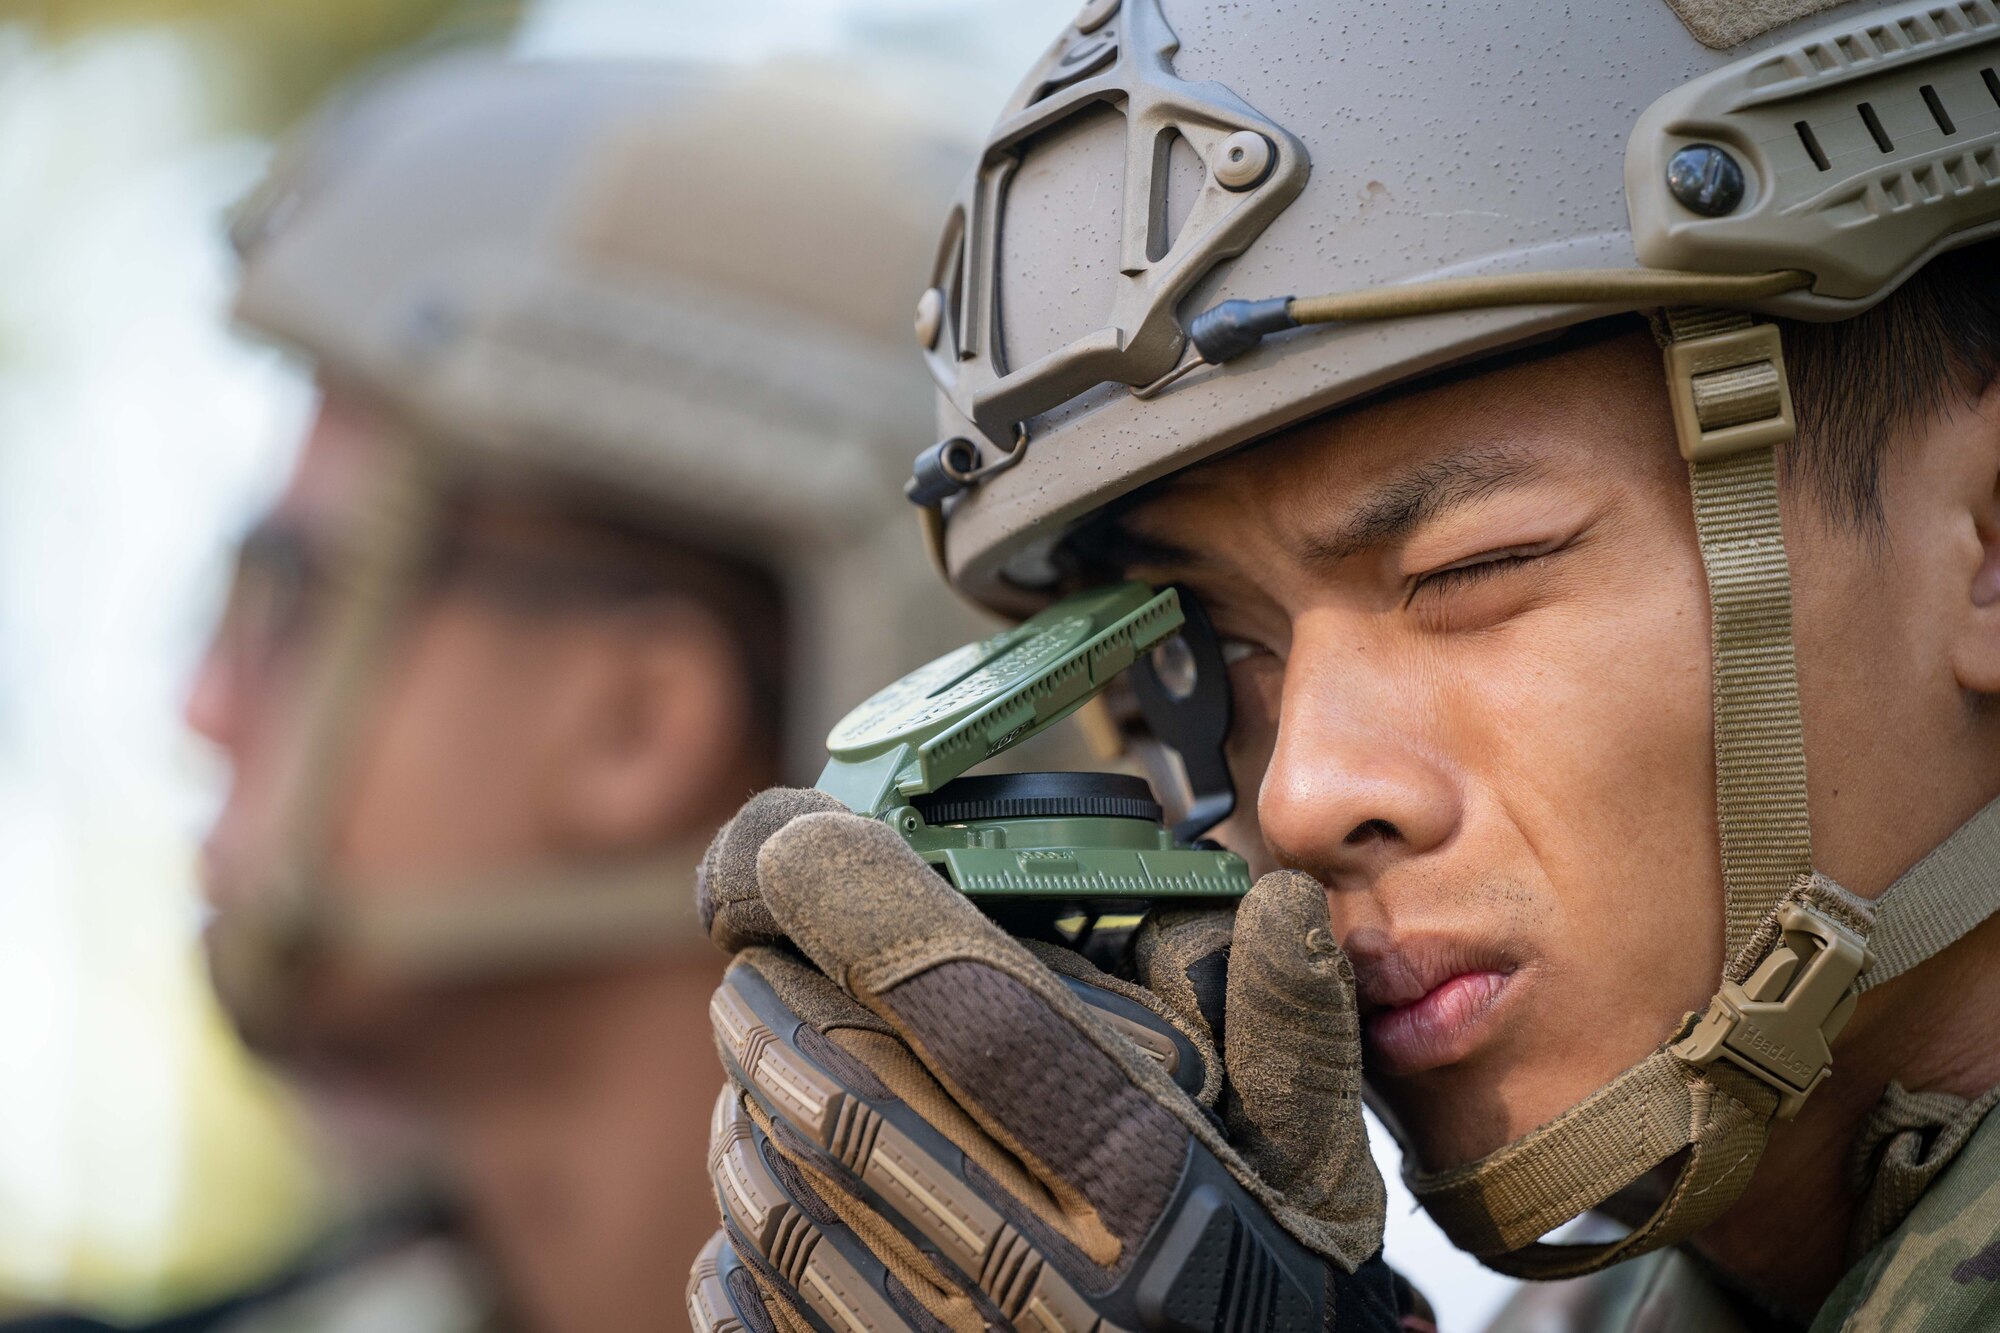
(1485, 565)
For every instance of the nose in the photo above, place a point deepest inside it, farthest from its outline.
(1357, 781)
(214, 708)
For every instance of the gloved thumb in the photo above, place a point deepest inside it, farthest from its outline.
(1293, 1053)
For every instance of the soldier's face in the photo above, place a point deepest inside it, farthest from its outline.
(1469, 634)
(522, 718)
(438, 790)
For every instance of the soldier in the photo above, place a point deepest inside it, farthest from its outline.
(1637, 735)
(587, 538)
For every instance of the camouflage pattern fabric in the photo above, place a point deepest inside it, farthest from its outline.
(1939, 1270)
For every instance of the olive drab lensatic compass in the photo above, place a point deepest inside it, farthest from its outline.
(1091, 841)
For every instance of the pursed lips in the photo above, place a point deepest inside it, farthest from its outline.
(1422, 998)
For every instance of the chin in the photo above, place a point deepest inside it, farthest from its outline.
(1453, 1116)
(1443, 1131)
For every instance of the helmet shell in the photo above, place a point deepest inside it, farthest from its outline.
(1423, 143)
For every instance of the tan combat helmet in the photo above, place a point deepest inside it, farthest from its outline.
(687, 286)
(1113, 301)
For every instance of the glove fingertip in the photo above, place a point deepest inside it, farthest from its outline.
(1293, 1052)
(1283, 927)
(728, 894)
(704, 879)
(846, 887)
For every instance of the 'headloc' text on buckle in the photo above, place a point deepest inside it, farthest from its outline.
(1780, 1024)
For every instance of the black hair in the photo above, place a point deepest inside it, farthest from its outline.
(1931, 345)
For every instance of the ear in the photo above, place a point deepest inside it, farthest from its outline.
(655, 734)
(1976, 654)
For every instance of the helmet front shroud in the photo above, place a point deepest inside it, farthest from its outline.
(1465, 182)
(677, 288)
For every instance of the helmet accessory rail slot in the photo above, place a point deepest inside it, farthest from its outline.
(1125, 62)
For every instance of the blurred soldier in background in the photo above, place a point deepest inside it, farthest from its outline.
(615, 393)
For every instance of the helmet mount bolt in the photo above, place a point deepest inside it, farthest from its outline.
(1706, 180)
(1243, 160)
(930, 318)
(1096, 13)
(941, 471)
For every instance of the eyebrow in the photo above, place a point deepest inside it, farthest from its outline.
(1389, 512)
(1392, 510)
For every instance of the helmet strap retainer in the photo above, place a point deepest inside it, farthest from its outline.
(1780, 1024)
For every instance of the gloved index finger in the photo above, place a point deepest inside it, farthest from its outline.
(1101, 1126)
(1293, 1052)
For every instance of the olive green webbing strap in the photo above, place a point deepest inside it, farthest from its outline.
(257, 948)
(1760, 754)
(372, 581)
(1760, 761)
(1499, 1207)
(1731, 407)
(1937, 900)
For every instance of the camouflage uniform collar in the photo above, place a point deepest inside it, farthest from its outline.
(1903, 1146)
(1930, 1163)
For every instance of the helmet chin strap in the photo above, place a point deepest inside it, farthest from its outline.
(258, 951)
(527, 925)
(1799, 949)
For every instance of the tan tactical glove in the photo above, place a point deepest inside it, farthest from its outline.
(932, 1126)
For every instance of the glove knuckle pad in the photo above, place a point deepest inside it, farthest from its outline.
(797, 1088)
(857, 1137)
(1198, 1252)
(770, 1206)
(791, 1234)
(722, 1297)
(1065, 1103)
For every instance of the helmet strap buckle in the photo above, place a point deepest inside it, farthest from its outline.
(1726, 377)
(1779, 1024)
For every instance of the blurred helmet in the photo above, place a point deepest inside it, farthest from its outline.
(1113, 301)
(687, 287)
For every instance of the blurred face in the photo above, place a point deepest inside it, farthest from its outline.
(407, 813)
(516, 721)
(1470, 661)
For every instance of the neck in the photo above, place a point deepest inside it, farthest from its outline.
(1930, 1030)
(573, 1113)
